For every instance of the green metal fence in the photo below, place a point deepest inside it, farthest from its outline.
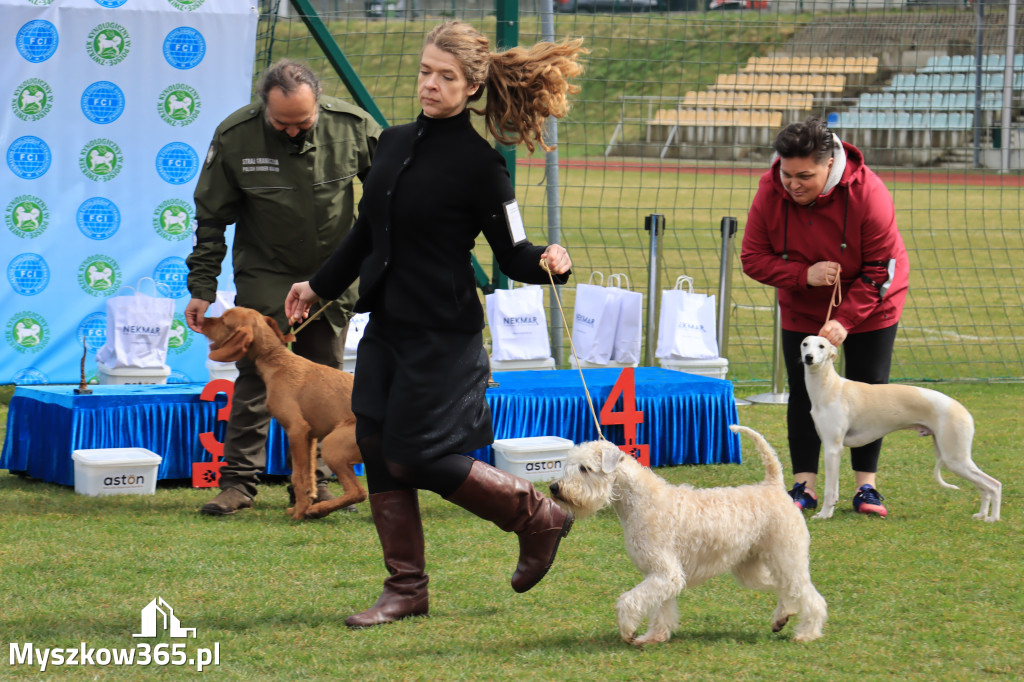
(676, 116)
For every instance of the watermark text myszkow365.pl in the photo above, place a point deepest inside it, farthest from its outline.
(157, 618)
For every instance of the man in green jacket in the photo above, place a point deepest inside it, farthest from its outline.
(281, 170)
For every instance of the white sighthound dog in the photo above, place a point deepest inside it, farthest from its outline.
(679, 536)
(852, 414)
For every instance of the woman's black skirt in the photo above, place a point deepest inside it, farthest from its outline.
(424, 387)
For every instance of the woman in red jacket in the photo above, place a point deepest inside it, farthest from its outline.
(821, 213)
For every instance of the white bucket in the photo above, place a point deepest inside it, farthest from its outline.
(536, 458)
(708, 367)
(516, 365)
(221, 370)
(115, 471)
(586, 364)
(349, 362)
(132, 375)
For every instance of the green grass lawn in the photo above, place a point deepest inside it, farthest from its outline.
(928, 593)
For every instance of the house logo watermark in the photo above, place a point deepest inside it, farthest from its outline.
(157, 621)
(158, 616)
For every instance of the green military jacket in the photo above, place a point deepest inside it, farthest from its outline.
(291, 207)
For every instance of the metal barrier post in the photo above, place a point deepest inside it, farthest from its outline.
(729, 225)
(553, 190)
(655, 224)
(778, 396)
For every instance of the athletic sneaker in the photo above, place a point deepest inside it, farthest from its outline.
(801, 498)
(868, 501)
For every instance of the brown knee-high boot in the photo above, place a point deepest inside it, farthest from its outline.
(396, 514)
(514, 505)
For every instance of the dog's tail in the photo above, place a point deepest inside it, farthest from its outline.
(772, 467)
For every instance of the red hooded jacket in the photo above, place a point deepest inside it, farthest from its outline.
(782, 239)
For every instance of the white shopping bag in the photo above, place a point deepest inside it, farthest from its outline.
(356, 327)
(686, 326)
(629, 330)
(595, 318)
(519, 324)
(138, 330)
(225, 301)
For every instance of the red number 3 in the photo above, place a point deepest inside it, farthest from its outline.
(207, 474)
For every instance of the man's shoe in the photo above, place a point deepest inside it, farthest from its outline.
(801, 498)
(868, 501)
(323, 493)
(227, 502)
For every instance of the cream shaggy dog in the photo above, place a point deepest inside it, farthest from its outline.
(851, 413)
(679, 536)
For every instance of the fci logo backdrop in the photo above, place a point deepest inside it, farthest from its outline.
(99, 275)
(98, 218)
(109, 44)
(172, 219)
(107, 103)
(101, 160)
(27, 216)
(27, 332)
(28, 274)
(37, 40)
(29, 157)
(33, 99)
(179, 104)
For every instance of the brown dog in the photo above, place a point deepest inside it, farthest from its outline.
(311, 401)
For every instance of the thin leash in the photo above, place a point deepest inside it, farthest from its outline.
(579, 367)
(309, 319)
(837, 297)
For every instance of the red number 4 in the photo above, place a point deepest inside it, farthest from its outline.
(629, 418)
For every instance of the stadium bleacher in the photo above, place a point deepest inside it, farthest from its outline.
(938, 98)
(749, 106)
(933, 106)
(964, 63)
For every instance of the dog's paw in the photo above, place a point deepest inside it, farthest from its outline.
(823, 514)
(651, 638)
(779, 624)
(315, 513)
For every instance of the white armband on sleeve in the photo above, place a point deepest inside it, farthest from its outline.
(514, 220)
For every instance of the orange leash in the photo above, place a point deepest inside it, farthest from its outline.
(837, 297)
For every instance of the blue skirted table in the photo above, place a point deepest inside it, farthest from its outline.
(45, 424)
(686, 419)
(686, 416)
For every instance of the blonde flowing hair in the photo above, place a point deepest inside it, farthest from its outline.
(524, 85)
